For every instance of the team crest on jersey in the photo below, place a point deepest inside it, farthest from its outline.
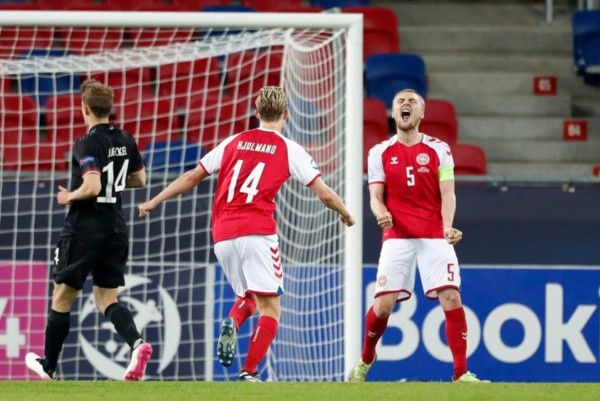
(422, 158)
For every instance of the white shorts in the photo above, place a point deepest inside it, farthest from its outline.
(252, 264)
(398, 261)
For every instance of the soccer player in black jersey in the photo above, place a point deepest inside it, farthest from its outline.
(95, 237)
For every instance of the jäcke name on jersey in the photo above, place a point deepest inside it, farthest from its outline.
(121, 151)
(257, 147)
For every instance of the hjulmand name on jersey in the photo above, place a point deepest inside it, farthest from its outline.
(257, 147)
(120, 151)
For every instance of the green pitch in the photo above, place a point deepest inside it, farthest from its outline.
(215, 391)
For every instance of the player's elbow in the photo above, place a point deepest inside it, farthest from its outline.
(137, 180)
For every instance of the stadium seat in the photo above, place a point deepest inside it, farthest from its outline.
(182, 81)
(586, 41)
(380, 29)
(64, 124)
(468, 159)
(212, 119)
(82, 41)
(41, 86)
(16, 41)
(387, 73)
(18, 132)
(149, 36)
(272, 6)
(197, 5)
(340, 3)
(440, 120)
(249, 71)
(172, 156)
(149, 120)
(375, 126)
(123, 5)
(66, 4)
(128, 85)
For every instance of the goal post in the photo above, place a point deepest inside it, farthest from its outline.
(179, 98)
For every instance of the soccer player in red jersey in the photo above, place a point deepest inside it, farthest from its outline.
(252, 166)
(411, 185)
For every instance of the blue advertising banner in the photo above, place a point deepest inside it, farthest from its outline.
(526, 324)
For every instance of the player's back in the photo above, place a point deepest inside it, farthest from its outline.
(113, 153)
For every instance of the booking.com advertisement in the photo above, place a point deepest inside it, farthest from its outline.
(526, 324)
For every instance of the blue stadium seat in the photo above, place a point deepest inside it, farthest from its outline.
(41, 86)
(387, 73)
(173, 156)
(340, 3)
(586, 41)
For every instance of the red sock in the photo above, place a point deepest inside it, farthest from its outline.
(456, 336)
(260, 341)
(242, 310)
(374, 330)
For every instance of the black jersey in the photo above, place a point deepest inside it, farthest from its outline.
(114, 154)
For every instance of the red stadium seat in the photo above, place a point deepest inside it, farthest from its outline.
(210, 120)
(440, 120)
(14, 41)
(150, 36)
(247, 72)
(380, 29)
(469, 159)
(149, 120)
(67, 4)
(182, 81)
(375, 126)
(197, 5)
(272, 6)
(64, 120)
(18, 132)
(91, 40)
(133, 83)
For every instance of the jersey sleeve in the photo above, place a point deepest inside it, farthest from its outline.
(302, 165)
(211, 162)
(375, 170)
(136, 163)
(88, 161)
(446, 169)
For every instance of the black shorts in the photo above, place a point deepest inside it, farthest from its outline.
(105, 256)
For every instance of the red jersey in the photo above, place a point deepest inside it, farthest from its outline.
(412, 175)
(252, 167)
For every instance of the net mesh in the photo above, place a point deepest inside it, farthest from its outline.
(179, 92)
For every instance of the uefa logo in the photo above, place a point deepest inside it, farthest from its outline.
(105, 349)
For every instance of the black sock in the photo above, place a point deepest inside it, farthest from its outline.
(122, 319)
(57, 329)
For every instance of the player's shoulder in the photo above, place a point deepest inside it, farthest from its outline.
(383, 145)
(435, 143)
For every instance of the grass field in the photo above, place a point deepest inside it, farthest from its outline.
(215, 391)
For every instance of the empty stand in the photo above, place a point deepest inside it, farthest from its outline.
(185, 80)
(272, 6)
(68, 4)
(388, 73)
(17, 41)
(375, 126)
(468, 159)
(440, 120)
(380, 28)
(247, 72)
(149, 120)
(83, 41)
(339, 3)
(212, 119)
(172, 156)
(197, 5)
(128, 85)
(18, 132)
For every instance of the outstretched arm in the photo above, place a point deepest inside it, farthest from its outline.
(332, 200)
(182, 184)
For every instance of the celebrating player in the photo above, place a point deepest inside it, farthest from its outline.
(95, 237)
(411, 185)
(252, 166)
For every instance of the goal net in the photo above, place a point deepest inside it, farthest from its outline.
(182, 83)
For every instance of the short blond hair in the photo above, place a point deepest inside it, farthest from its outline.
(98, 97)
(271, 103)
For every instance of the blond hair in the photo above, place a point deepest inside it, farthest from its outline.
(98, 97)
(271, 103)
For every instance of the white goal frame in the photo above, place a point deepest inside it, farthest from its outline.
(353, 103)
